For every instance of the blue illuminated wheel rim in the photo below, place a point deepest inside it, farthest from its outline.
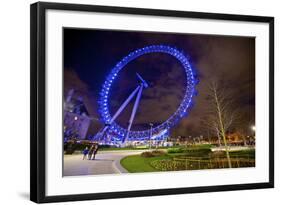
(183, 108)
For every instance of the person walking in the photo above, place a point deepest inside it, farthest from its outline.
(96, 147)
(90, 153)
(85, 152)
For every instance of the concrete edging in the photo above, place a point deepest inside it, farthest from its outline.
(118, 167)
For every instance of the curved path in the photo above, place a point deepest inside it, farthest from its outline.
(106, 162)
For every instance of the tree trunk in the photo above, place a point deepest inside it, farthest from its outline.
(222, 131)
(219, 138)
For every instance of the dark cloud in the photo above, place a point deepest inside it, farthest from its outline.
(231, 60)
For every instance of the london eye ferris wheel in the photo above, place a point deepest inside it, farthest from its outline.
(124, 134)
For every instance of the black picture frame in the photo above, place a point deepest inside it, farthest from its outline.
(38, 100)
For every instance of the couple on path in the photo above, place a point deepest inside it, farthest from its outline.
(91, 152)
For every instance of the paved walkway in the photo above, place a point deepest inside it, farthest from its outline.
(106, 162)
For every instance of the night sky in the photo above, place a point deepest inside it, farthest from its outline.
(89, 55)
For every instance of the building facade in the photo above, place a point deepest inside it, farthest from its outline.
(76, 117)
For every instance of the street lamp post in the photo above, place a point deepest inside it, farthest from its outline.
(254, 130)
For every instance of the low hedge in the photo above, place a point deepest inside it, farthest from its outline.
(190, 150)
(154, 153)
(146, 154)
(175, 150)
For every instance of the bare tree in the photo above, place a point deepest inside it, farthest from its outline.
(221, 114)
(208, 123)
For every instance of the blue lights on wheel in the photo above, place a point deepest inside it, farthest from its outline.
(182, 111)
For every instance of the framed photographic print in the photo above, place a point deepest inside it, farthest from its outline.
(129, 102)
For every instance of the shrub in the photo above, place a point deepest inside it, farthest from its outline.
(154, 153)
(157, 153)
(147, 154)
(175, 150)
(196, 150)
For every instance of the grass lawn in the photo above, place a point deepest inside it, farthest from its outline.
(163, 148)
(136, 163)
